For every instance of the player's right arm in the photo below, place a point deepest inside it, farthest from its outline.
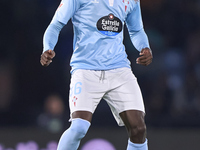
(64, 12)
(46, 57)
(49, 41)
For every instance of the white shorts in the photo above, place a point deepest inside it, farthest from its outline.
(118, 87)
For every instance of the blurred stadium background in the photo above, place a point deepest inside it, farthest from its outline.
(34, 99)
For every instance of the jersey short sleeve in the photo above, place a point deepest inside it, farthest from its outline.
(134, 19)
(66, 10)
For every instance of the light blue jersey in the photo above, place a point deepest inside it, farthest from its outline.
(98, 32)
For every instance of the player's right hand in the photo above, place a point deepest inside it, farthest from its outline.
(46, 57)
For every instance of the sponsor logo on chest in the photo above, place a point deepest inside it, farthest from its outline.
(109, 25)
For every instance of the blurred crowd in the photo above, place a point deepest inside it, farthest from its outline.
(100, 144)
(31, 145)
(31, 95)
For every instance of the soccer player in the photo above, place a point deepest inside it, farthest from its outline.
(100, 68)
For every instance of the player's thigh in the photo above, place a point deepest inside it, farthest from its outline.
(133, 118)
(125, 95)
(85, 94)
(86, 115)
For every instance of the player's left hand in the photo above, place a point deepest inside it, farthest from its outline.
(145, 57)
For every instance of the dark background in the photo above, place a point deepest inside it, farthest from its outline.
(170, 85)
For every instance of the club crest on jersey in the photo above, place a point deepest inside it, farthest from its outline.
(126, 2)
(109, 25)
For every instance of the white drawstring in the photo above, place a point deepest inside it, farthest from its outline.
(102, 76)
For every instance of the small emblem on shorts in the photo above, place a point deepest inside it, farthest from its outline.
(74, 100)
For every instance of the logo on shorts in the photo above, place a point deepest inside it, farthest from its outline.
(109, 25)
(74, 100)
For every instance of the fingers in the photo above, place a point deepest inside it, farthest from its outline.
(44, 61)
(146, 57)
(51, 53)
(46, 57)
(144, 61)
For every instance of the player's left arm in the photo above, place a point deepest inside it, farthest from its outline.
(145, 57)
(138, 36)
